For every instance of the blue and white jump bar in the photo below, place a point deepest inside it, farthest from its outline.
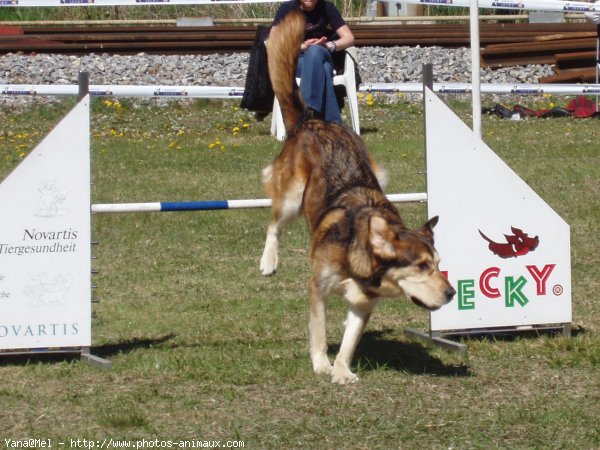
(210, 205)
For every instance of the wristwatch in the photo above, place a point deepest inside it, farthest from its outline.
(331, 46)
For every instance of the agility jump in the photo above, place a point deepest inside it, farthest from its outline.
(530, 291)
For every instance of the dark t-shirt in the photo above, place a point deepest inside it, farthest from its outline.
(321, 21)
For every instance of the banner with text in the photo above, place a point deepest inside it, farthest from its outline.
(504, 249)
(45, 256)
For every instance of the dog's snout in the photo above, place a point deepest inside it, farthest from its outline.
(450, 292)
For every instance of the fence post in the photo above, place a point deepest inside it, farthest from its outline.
(83, 80)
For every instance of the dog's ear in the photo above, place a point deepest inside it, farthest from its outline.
(358, 255)
(370, 236)
(376, 236)
(427, 229)
(381, 237)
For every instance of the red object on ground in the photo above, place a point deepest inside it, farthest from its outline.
(580, 107)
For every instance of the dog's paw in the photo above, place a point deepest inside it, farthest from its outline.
(268, 265)
(322, 366)
(269, 259)
(343, 377)
(341, 374)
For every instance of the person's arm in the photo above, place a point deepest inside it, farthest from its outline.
(308, 42)
(345, 39)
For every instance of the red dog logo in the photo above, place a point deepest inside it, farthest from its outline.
(517, 244)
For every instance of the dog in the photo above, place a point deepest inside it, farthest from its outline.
(360, 246)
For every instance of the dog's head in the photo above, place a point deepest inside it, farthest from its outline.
(407, 261)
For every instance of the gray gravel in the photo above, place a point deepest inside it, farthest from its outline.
(377, 65)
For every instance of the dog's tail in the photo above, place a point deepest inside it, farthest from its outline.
(283, 47)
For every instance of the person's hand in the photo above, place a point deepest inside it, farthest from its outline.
(314, 41)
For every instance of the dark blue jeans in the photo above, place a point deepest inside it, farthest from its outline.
(315, 68)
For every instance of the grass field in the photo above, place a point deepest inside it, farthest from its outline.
(205, 348)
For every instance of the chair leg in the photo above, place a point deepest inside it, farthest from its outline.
(350, 82)
(274, 117)
(277, 126)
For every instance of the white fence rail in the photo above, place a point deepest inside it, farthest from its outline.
(65, 3)
(524, 5)
(231, 92)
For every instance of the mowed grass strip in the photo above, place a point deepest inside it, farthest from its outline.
(203, 347)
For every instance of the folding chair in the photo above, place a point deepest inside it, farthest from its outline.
(347, 79)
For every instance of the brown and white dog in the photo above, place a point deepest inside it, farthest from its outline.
(360, 246)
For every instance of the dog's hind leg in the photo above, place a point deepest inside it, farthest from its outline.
(287, 206)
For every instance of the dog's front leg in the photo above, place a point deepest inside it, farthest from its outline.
(355, 325)
(317, 329)
(269, 259)
(359, 314)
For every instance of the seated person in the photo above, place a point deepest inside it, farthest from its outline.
(315, 65)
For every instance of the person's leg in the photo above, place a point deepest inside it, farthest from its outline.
(315, 68)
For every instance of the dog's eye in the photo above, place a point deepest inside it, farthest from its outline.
(423, 266)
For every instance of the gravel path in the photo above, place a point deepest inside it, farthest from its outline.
(377, 65)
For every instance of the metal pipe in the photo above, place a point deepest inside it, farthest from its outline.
(475, 67)
(232, 92)
(354, 20)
